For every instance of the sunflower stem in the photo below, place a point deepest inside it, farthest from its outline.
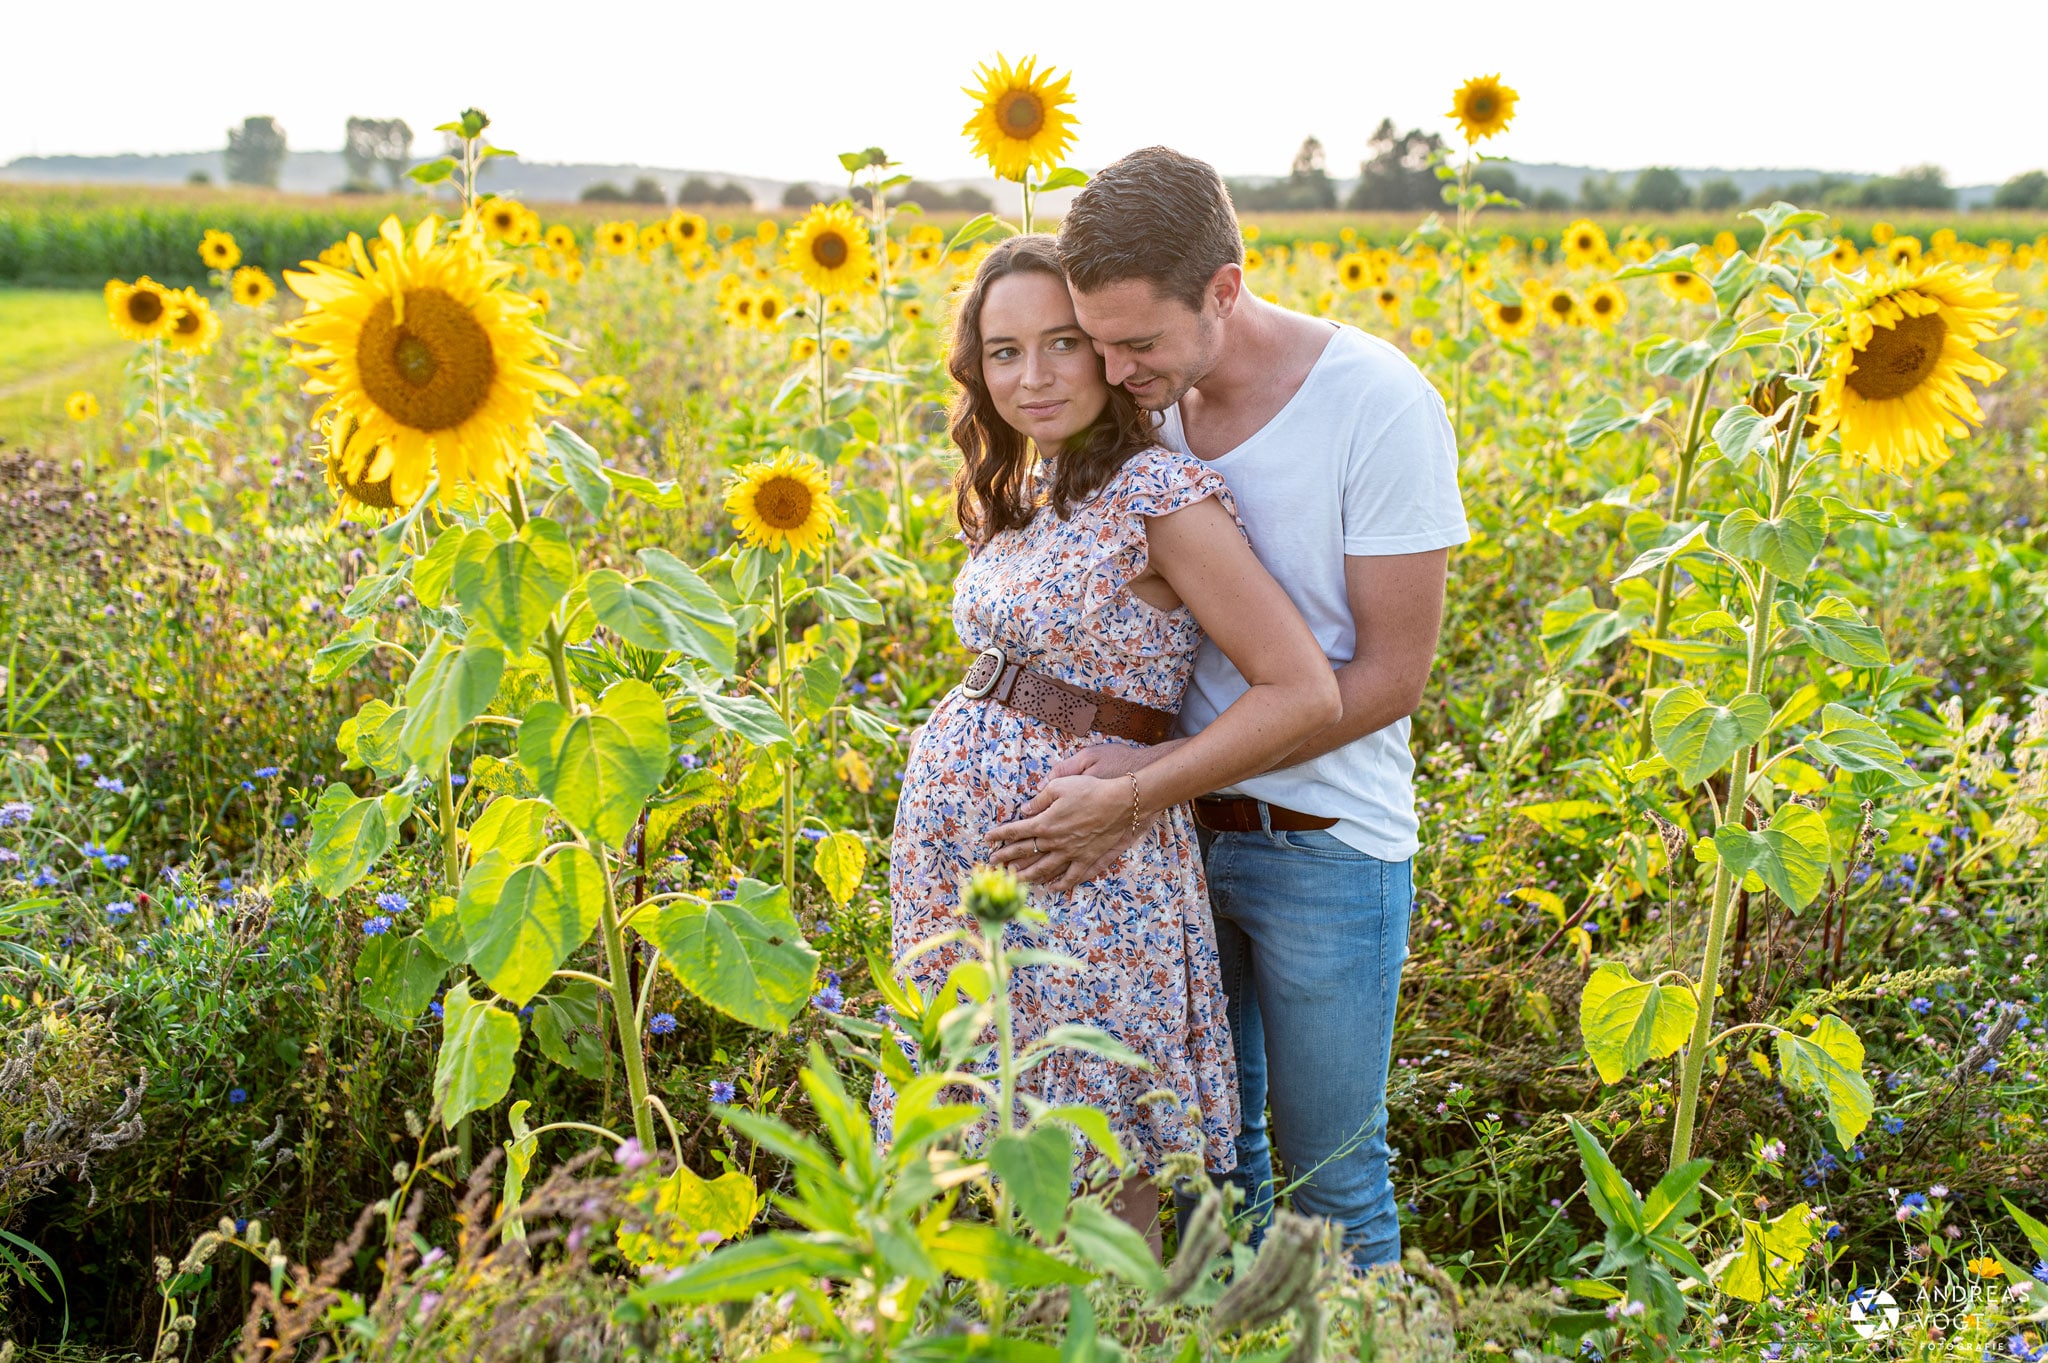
(782, 708)
(1732, 809)
(1681, 491)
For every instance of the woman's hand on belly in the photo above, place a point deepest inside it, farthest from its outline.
(1068, 832)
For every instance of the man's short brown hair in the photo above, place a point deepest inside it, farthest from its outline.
(1155, 215)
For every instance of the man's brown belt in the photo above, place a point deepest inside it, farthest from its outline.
(1070, 709)
(1240, 814)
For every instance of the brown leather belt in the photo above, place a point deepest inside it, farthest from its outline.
(1240, 814)
(1070, 709)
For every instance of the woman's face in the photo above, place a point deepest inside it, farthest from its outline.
(1044, 376)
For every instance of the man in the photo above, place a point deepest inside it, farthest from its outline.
(1344, 468)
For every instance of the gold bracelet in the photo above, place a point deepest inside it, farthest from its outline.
(1134, 800)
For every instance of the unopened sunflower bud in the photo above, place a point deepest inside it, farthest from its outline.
(992, 895)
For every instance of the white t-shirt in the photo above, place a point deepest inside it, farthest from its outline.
(1360, 461)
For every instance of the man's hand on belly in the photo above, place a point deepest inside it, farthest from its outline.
(1113, 761)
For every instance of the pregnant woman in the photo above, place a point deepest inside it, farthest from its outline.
(1098, 560)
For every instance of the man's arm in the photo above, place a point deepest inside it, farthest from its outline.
(1397, 611)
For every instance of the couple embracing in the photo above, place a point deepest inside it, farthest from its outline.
(1208, 541)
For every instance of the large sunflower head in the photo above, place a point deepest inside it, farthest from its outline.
(1483, 107)
(436, 364)
(1020, 120)
(1900, 351)
(196, 327)
(829, 247)
(251, 287)
(782, 501)
(219, 250)
(142, 311)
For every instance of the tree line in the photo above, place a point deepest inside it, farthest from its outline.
(1399, 173)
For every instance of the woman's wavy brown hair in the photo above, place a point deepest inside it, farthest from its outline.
(993, 490)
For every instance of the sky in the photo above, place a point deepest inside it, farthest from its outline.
(776, 88)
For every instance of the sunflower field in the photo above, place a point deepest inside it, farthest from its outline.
(457, 678)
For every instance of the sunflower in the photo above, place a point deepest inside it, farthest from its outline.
(1354, 271)
(1605, 305)
(1845, 257)
(1422, 338)
(769, 305)
(1585, 244)
(1475, 270)
(1253, 260)
(782, 501)
(195, 327)
(436, 366)
(840, 349)
(336, 255)
(913, 312)
(346, 473)
(1899, 352)
(739, 308)
(766, 230)
(81, 406)
(686, 231)
(1389, 300)
(1020, 122)
(219, 251)
(142, 311)
(1881, 232)
(618, 238)
(829, 248)
(1686, 287)
(561, 240)
(803, 350)
(1509, 321)
(251, 287)
(1560, 307)
(502, 219)
(541, 298)
(1902, 253)
(1483, 107)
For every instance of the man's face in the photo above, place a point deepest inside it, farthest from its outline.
(1156, 347)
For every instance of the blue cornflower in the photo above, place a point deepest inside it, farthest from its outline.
(1990, 1066)
(378, 926)
(436, 1009)
(265, 773)
(811, 834)
(16, 812)
(241, 1224)
(721, 1091)
(120, 908)
(728, 892)
(248, 785)
(2041, 1271)
(290, 821)
(45, 878)
(876, 679)
(110, 784)
(661, 1024)
(1590, 926)
(689, 761)
(114, 861)
(1834, 1230)
(1817, 1172)
(1473, 837)
(237, 1097)
(1894, 1125)
(84, 760)
(1913, 1202)
(829, 999)
(458, 780)
(1921, 1006)
(391, 901)
(226, 885)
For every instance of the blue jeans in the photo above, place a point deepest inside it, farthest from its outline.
(1312, 934)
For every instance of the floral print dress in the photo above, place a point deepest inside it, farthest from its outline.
(1054, 597)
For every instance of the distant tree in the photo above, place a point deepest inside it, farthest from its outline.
(799, 196)
(647, 190)
(1718, 196)
(1828, 189)
(1499, 179)
(1309, 177)
(1599, 194)
(1659, 189)
(2028, 190)
(1914, 187)
(256, 152)
(602, 192)
(1551, 201)
(697, 192)
(1400, 172)
(933, 199)
(374, 144)
(198, 177)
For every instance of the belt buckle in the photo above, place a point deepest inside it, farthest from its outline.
(991, 653)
